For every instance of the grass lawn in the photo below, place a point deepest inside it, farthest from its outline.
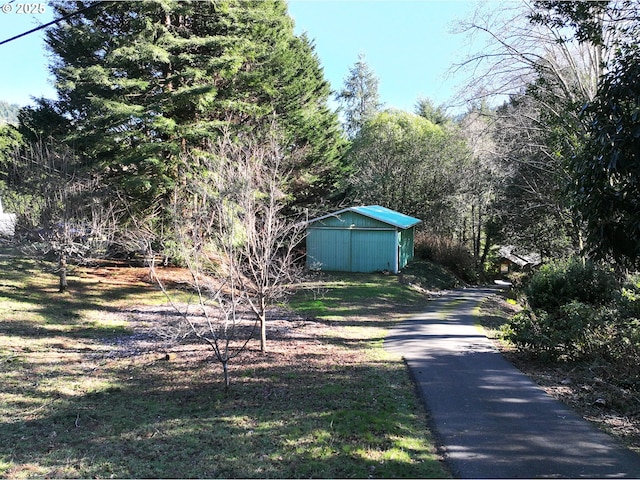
(88, 390)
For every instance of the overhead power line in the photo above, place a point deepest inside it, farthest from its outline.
(57, 20)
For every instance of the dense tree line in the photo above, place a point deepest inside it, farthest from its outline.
(568, 69)
(409, 164)
(552, 169)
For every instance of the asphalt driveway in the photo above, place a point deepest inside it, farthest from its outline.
(491, 419)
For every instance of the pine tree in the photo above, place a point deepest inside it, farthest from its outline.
(359, 96)
(141, 83)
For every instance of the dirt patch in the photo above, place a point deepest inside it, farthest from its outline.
(115, 274)
(591, 389)
(160, 333)
(161, 330)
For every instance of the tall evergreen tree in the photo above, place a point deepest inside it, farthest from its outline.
(438, 115)
(606, 174)
(359, 96)
(140, 83)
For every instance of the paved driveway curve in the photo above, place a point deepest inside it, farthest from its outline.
(491, 419)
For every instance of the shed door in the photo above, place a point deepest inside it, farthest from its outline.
(373, 250)
(329, 249)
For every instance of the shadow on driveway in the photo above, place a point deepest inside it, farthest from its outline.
(492, 420)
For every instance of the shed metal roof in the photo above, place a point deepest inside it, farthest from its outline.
(531, 259)
(382, 214)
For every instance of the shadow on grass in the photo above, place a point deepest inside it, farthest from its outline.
(35, 306)
(161, 420)
(358, 300)
(67, 412)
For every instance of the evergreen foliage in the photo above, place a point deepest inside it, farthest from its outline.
(606, 185)
(140, 83)
(570, 280)
(438, 115)
(580, 311)
(582, 17)
(10, 140)
(359, 97)
(407, 163)
(604, 172)
(570, 312)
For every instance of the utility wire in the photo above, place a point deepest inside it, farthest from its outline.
(58, 20)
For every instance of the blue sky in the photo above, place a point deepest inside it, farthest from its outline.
(407, 43)
(23, 62)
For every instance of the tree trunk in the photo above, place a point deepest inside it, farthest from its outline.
(478, 240)
(225, 371)
(263, 333)
(263, 326)
(62, 272)
(485, 249)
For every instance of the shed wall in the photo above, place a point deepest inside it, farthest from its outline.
(373, 250)
(407, 247)
(329, 249)
(351, 250)
(351, 220)
(352, 242)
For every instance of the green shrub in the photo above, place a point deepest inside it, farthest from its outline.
(568, 314)
(628, 299)
(624, 349)
(529, 332)
(551, 336)
(624, 346)
(555, 285)
(577, 312)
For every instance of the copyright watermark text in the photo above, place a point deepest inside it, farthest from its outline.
(24, 8)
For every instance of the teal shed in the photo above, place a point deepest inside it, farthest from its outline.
(360, 239)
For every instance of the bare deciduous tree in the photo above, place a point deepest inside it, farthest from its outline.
(219, 317)
(479, 194)
(74, 216)
(546, 75)
(232, 235)
(512, 53)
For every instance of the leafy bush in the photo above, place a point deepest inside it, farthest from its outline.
(579, 312)
(529, 332)
(623, 349)
(623, 345)
(555, 285)
(568, 311)
(629, 298)
(549, 336)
